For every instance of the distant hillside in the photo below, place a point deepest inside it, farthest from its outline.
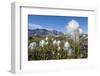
(36, 32)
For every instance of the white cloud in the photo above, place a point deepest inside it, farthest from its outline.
(34, 26)
(72, 26)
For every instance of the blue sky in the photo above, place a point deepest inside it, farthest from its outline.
(55, 22)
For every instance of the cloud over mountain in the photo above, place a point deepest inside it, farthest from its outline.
(34, 26)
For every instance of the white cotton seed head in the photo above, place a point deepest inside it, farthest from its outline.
(32, 45)
(46, 43)
(66, 46)
(81, 55)
(54, 42)
(52, 39)
(42, 43)
(58, 54)
(73, 25)
(69, 52)
(59, 48)
(53, 52)
(58, 43)
(84, 35)
(46, 38)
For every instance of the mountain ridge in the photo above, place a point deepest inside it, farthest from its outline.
(35, 32)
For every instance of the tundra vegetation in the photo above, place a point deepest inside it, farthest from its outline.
(60, 47)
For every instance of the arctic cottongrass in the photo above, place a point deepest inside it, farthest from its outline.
(42, 43)
(54, 42)
(59, 48)
(72, 26)
(32, 45)
(46, 42)
(52, 39)
(58, 43)
(53, 52)
(46, 38)
(66, 46)
(58, 53)
(69, 52)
